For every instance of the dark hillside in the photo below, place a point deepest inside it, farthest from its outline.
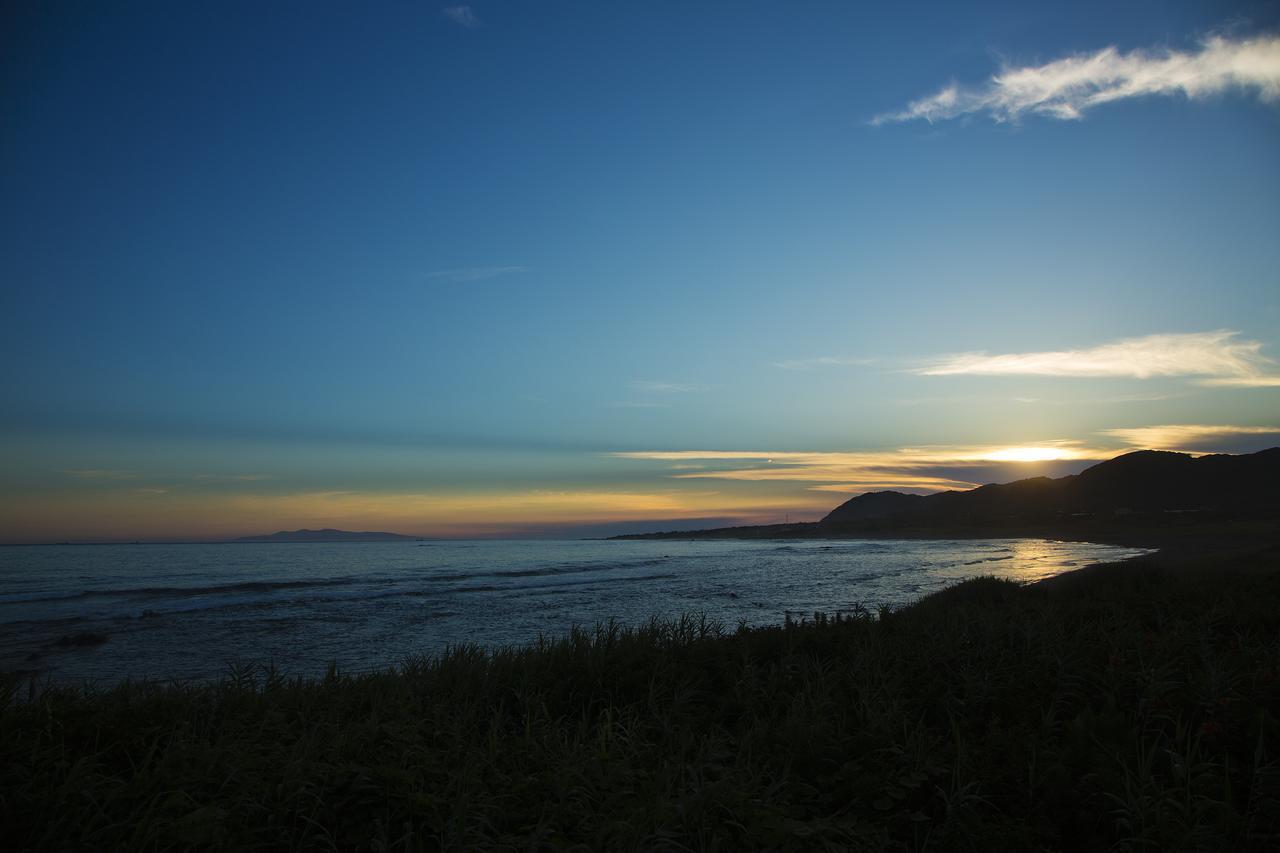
(1139, 498)
(1146, 482)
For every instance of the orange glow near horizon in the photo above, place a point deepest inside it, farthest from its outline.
(142, 514)
(114, 500)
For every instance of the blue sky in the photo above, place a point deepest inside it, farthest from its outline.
(520, 267)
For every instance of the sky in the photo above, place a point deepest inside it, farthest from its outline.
(562, 269)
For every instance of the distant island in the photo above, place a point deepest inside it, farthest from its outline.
(328, 534)
(1139, 498)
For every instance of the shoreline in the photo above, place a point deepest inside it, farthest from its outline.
(89, 649)
(1171, 545)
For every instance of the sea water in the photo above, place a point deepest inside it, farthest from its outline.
(102, 613)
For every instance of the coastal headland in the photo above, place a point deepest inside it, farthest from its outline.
(1188, 507)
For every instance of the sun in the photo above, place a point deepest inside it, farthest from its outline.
(1028, 454)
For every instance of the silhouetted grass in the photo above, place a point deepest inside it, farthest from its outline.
(1129, 709)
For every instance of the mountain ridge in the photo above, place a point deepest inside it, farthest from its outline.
(1141, 482)
(1141, 488)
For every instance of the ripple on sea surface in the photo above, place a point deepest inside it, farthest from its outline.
(188, 611)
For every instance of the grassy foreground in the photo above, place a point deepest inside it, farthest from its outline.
(1133, 708)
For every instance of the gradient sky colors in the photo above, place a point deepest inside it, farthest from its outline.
(575, 268)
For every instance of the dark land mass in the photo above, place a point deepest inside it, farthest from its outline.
(1146, 498)
(328, 534)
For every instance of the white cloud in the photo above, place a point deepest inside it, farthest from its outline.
(1067, 88)
(1217, 358)
(463, 16)
(1260, 381)
(822, 361)
(475, 273)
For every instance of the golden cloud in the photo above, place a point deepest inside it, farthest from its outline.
(914, 468)
(1189, 438)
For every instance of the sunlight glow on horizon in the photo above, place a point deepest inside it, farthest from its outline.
(920, 469)
(1031, 454)
(132, 513)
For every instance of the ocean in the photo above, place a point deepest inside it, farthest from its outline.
(96, 614)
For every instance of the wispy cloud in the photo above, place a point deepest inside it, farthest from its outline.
(475, 273)
(1194, 438)
(236, 478)
(1215, 358)
(1067, 88)
(822, 361)
(637, 404)
(655, 386)
(936, 468)
(919, 469)
(101, 474)
(463, 16)
(1257, 381)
